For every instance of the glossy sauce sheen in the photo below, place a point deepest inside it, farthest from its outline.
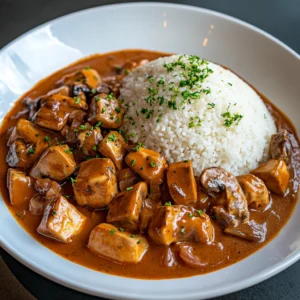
(226, 249)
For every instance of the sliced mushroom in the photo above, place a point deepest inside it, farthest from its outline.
(255, 191)
(216, 180)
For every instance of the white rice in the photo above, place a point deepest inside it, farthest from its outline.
(238, 148)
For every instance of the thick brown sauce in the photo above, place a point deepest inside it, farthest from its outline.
(227, 250)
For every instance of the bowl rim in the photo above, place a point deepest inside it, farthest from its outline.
(265, 274)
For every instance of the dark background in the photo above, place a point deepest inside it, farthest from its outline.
(281, 18)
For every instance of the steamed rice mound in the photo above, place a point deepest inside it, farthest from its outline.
(188, 108)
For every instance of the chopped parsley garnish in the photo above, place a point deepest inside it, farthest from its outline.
(82, 127)
(95, 148)
(127, 71)
(168, 204)
(230, 83)
(112, 231)
(75, 130)
(231, 119)
(153, 164)
(182, 230)
(46, 138)
(133, 162)
(196, 121)
(94, 91)
(132, 134)
(112, 137)
(118, 109)
(31, 150)
(137, 147)
(129, 188)
(67, 196)
(200, 212)
(98, 124)
(87, 68)
(77, 100)
(54, 213)
(89, 133)
(139, 241)
(121, 229)
(211, 105)
(132, 236)
(190, 215)
(97, 98)
(110, 96)
(73, 180)
(186, 160)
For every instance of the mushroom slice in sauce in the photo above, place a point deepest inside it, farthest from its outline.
(126, 178)
(96, 183)
(255, 191)
(274, 173)
(180, 223)
(181, 182)
(113, 243)
(61, 220)
(149, 164)
(125, 208)
(216, 180)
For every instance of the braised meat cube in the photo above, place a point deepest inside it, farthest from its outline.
(28, 132)
(56, 163)
(20, 187)
(149, 164)
(23, 155)
(107, 110)
(180, 223)
(181, 182)
(125, 208)
(63, 90)
(274, 174)
(126, 178)
(87, 76)
(61, 221)
(89, 140)
(255, 190)
(114, 147)
(96, 183)
(148, 208)
(108, 241)
(37, 205)
(217, 181)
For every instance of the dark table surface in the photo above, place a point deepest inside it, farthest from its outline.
(281, 18)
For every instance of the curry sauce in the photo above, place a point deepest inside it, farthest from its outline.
(160, 261)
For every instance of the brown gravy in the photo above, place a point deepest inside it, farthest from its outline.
(227, 250)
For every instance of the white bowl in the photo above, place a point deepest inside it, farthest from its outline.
(265, 62)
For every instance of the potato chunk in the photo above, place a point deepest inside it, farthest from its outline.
(180, 223)
(61, 221)
(106, 240)
(256, 192)
(20, 187)
(96, 183)
(274, 174)
(107, 110)
(125, 208)
(114, 147)
(149, 164)
(181, 182)
(57, 163)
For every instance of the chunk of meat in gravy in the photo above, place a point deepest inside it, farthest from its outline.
(114, 147)
(255, 191)
(107, 110)
(126, 178)
(37, 205)
(89, 140)
(125, 208)
(20, 187)
(61, 221)
(281, 146)
(274, 173)
(47, 188)
(148, 208)
(180, 223)
(57, 163)
(108, 241)
(96, 183)
(149, 164)
(182, 183)
(216, 180)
